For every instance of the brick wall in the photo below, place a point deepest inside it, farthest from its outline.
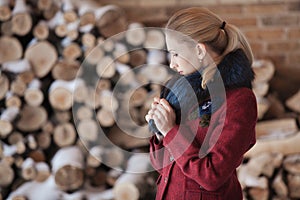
(272, 26)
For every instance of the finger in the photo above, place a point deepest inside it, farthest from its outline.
(156, 99)
(154, 104)
(166, 105)
(162, 110)
(147, 118)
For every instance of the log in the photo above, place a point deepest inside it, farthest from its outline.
(93, 55)
(42, 57)
(12, 100)
(108, 101)
(10, 50)
(110, 20)
(60, 94)
(21, 19)
(6, 174)
(37, 155)
(84, 112)
(86, 12)
(259, 194)
(65, 69)
(288, 145)
(155, 73)
(34, 95)
(279, 186)
(67, 167)
(62, 116)
(26, 76)
(41, 31)
(94, 158)
(137, 97)
(106, 67)
(135, 35)
(5, 12)
(120, 53)
(103, 84)
(138, 58)
(69, 11)
(88, 40)
(124, 140)
(293, 102)
(264, 70)
(106, 118)
(43, 140)
(127, 75)
(278, 128)
(6, 119)
(87, 130)
(294, 185)
(44, 4)
(72, 51)
(28, 169)
(61, 30)
(155, 39)
(276, 108)
(15, 137)
(32, 118)
(262, 106)
(91, 98)
(64, 135)
(31, 142)
(6, 28)
(43, 171)
(18, 87)
(249, 174)
(4, 85)
(292, 164)
(129, 186)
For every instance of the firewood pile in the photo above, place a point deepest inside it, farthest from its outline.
(72, 88)
(271, 167)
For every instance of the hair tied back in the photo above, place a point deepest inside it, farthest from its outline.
(223, 25)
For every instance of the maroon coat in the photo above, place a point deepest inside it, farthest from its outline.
(204, 167)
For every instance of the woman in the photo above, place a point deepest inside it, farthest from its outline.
(198, 146)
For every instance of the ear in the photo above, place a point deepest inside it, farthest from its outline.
(201, 50)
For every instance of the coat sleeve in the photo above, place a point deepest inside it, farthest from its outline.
(156, 153)
(231, 137)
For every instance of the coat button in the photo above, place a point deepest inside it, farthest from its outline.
(171, 158)
(201, 187)
(166, 179)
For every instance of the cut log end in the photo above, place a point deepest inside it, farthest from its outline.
(69, 178)
(126, 191)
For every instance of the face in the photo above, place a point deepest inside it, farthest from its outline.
(183, 55)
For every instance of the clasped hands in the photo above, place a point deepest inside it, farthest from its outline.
(162, 114)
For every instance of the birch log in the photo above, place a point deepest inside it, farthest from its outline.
(42, 57)
(5, 11)
(67, 167)
(10, 49)
(32, 118)
(21, 19)
(129, 186)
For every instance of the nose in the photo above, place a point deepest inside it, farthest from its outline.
(173, 64)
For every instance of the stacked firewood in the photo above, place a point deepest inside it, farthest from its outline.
(71, 85)
(271, 167)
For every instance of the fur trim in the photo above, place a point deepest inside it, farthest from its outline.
(236, 70)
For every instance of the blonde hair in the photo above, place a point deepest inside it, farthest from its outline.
(204, 26)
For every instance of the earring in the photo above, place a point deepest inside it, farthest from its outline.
(200, 60)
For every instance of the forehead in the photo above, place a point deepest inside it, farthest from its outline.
(176, 40)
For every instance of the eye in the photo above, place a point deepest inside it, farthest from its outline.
(175, 54)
